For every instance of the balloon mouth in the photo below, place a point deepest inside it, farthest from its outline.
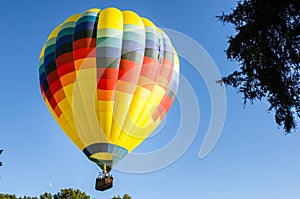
(105, 154)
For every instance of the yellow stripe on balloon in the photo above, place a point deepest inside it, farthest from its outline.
(147, 22)
(111, 18)
(42, 52)
(132, 18)
(102, 156)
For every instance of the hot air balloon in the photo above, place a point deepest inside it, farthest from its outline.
(108, 77)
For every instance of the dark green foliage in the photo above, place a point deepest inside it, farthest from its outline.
(63, 194)
(125, 196)
(8, 196)
(46, 196)
(72, 194)
(267, 47)
(116, 197)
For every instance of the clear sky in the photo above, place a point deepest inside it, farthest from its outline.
(253, 159)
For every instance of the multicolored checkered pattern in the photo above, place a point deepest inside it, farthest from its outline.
(108, 77)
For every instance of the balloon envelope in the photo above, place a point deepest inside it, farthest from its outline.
(108, 77)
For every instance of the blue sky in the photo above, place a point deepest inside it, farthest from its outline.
(252, 159)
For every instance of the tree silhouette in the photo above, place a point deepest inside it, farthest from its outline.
(63, 194)
(70, 193)
(46, 196)
(125, 196)
(267, 47)
(8, 196)
(0, 154)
